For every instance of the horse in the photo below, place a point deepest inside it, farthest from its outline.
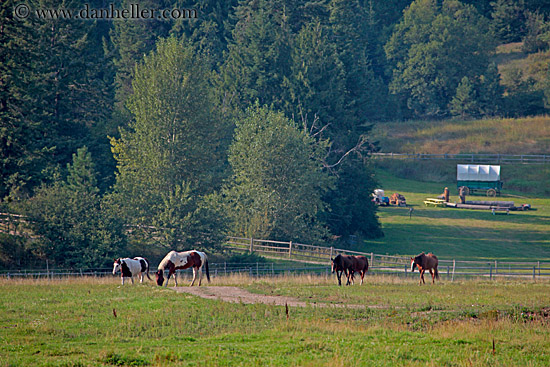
(349, 264)
(130, 267)
(424, 262)
(182, 260)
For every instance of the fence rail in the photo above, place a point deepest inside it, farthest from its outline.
(385, 264)
(472, 158)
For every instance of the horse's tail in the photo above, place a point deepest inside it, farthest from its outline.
(436, 272)
(147, 270)
(207, 271)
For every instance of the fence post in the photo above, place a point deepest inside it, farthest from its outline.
(496, 267)
(372, 259)
(490, 271)
(454, 265)
(251, 245)
(331, 252)
(534, 272)
(405, 271)
(289, 249)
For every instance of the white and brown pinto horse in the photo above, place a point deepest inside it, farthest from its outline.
(130, 267)
(349, 264)
(182, 260)
(424, 262)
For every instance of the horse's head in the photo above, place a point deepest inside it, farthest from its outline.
(413, 264)
(116, 265)
(336, 263)
(159, 275)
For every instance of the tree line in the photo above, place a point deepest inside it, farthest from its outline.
(253, 119)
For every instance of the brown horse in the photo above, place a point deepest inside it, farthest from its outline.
(349, 264)
(424, 262)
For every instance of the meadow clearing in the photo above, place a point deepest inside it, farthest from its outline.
(391, 321)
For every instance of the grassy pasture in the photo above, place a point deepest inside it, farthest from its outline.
(71, 322)
(459, 234)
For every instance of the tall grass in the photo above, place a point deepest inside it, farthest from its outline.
(97, 322)
(529, 135)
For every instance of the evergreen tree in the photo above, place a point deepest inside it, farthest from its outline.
(71, 226)
(351, 210)
(508, 19)
(258, 56)
(490, 92)
(132, 40)
(465, 103)
(21, 125)
(53, 92)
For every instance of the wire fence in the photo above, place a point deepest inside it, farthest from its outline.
(316, 260)
(396, 265)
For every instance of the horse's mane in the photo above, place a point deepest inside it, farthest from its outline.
(164, 261)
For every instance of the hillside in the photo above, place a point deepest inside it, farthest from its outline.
(530, 135)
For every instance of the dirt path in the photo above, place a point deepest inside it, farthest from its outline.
(239, 295)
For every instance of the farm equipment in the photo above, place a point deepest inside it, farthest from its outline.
(473, 177)
(398, 199)
(379, 198)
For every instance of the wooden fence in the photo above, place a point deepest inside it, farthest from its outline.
(385, 264)
(472, 158)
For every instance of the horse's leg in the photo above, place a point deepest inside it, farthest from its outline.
(346, 271)
(140, 277)
(200, 276)
(132, 278)
(168, 278)
(422, 276)
(362, 276)
(122, 277)
(433, 276)
(339, 276)
(194, 276)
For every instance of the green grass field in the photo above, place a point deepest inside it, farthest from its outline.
(72, 323)
(459, 233)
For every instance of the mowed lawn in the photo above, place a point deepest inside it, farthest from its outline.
(393, 322)
(460, 234)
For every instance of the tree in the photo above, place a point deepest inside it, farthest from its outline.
(172, 153)
(132, 40)
(53, 94)
(67, 216)
(508, 19)
(432, 49)
(258, 58)
(277, 178)
(465, 103)
(350, 207)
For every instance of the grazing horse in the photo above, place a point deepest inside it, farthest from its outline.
(130, 267)
(424, 262)
(349, 264)
(182, 260)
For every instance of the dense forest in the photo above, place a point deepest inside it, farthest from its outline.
(248, 118)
